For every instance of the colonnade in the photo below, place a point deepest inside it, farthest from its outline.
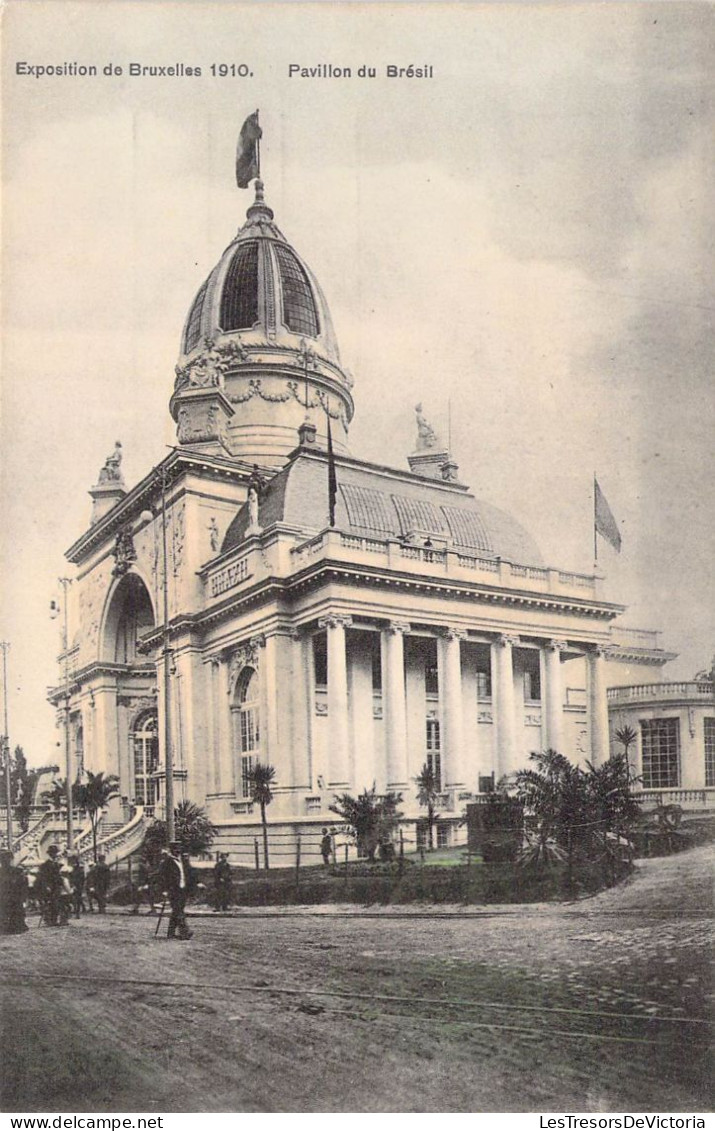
(288, 705)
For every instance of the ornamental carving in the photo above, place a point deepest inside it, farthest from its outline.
(398, 626)
(198, 424)
(508, 638)
(485, 717)
(532, 720)
(124, 553)
(295, 389)
(208, 369)
(178, 536)
(582, 741)
(426, 435)
(557, 645)
(335, 620)
(454, 634)
(245, 656)
(112, 470)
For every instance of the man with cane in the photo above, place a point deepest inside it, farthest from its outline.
(177, 881)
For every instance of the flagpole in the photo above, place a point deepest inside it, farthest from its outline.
(258, 150)
(595, 531)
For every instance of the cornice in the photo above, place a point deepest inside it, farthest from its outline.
(315, 573)
(176, 465)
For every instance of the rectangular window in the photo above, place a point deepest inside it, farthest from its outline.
(709, 728)
(532, 686)
(249, 729)
(661, 753)
(442, 835)
(484, 685)
(246, 767)
(486, 783)
(376, 661)
(433, 744)
(320, 659)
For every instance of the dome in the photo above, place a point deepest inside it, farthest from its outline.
(262, 290)
(378, 502)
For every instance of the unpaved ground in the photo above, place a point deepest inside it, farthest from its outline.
(210, 1025)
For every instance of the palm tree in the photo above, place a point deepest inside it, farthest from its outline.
(626, 735)
(57, 796)
(259, 782)
(427, 794)
(92, 796)
(192, 828)
(371, 816)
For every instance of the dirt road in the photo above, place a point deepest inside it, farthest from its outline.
(593, 1006)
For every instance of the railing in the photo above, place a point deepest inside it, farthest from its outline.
(28, 841)
(578, 580)
(467, 561)
(705, 798)
(121, 844)
(688, 689)
(537, 574)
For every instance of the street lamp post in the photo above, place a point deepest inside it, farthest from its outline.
(167, 664)
(65, 582)
(6, 748)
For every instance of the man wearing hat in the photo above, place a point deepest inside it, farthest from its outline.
(13, 893)
(50, 889)
(177, 880)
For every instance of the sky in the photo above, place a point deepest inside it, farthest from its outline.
(522, 242)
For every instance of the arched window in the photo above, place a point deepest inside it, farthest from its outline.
(146, 759)
(248, 727)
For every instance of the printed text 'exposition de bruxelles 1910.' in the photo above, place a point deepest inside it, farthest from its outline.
(73, 69)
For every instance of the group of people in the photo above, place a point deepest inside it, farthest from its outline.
(58, 891)
(61, 887)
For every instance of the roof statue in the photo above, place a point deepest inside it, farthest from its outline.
(112, 470)
(426, 435)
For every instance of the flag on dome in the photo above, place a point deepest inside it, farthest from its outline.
(247, 161)
(605, 523)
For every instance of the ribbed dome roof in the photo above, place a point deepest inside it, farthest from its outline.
(379, 502)
(262, 289)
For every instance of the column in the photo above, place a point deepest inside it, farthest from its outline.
(300, 699)
(225, 782)
(505, 709)
(338, 749)
(213, 667)
(450, 689)
(394, 705)
(268, 675)
(598, 706)
(553, 695)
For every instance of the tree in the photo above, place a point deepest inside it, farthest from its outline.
(259, 783)
(23, 784)
(626, 735)
(57, 795)
(193, 832)
(372, 817)
(427, 794)
(574, 808)
(92, 796)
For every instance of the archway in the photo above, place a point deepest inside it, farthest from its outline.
(129, 615)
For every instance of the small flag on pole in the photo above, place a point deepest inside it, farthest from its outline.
(332, 477)
(247, 155)
(604, 522)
